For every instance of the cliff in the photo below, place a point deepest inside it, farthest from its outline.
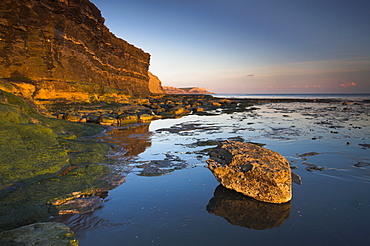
(189, 90)
(56, 43)
(155, 85)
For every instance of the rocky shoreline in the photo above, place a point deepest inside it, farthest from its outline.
(74, 174)
(144, 109)
(54, 166)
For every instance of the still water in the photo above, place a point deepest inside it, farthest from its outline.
(169, 196)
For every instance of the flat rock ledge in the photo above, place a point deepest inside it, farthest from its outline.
(43, 234)
(252, 170)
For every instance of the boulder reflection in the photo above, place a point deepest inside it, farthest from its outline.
(244, 211)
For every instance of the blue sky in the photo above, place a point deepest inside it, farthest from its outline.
(250, 46)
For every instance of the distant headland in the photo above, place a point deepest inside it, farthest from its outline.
(188, 90)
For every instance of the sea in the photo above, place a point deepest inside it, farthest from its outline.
(170, 197)
(355, 96)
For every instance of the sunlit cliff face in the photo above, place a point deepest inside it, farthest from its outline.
(67, 41)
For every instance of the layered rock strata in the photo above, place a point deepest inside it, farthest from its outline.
(66, 41)
(252, 170)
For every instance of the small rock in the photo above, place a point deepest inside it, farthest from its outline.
(145, 117)
(92, 118)
(80, 205)
(107, 120)
(296, 178)
(198, 109)
(362, 164)
(74, 118)
(127, 119)
(366, 146)
(179, 111)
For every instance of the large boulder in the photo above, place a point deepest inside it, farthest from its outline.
(252, 170)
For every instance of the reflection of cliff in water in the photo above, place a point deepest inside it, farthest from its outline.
(244, 211)
(134, 139)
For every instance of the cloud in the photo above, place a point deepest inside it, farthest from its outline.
(348, 84)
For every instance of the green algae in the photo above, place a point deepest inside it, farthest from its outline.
(34, 203)
(29, 152)
(83, 151)
(11, 114)
(49, 233)
(28, 159)
(36, 154)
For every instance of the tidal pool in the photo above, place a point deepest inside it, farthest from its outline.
(169, 196)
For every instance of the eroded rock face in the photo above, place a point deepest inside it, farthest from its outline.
(155, 85)
(66, 40)
(252, 170)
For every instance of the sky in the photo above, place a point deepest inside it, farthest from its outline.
(250, 46)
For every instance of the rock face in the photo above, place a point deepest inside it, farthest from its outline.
(252, 170)
(190, 90)
(50, 233)
(155, 85)
(62, 41)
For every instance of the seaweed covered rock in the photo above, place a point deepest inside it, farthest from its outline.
(252, 170)
(33, 147)
(50, 233)
(44, 163)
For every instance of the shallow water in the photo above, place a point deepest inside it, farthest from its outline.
(169, 197)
